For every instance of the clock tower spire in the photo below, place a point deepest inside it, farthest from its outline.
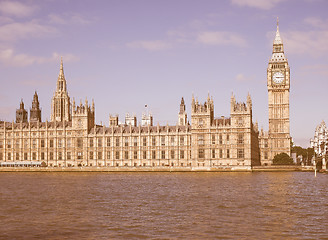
(278, 82)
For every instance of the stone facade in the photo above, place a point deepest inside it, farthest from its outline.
(72, 138)
(277, 140)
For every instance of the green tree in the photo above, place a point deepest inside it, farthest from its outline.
(282, 159)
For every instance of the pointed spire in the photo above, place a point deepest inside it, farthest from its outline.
(61, 70)
(277, 39)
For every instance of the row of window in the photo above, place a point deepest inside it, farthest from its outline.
(116, 141)
(240, 153)
(96, 155)
(126, 155)
(219, 139)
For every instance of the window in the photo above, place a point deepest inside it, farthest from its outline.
(163, 154)
(135, 141)
(79, 155)
(213, 153)
(153, 140)
(108, 142)
(144, 141)
(79, 143)
(42, 156)
(1, 144)
(17, 143)
(181, 154)
(220, 139)
(200, 122)
(172, 154)
(213, 138)
(1, 156)
(99, 155)
(108, 155)
(9, 144)
(91, 142)
(69, 142)
(99, 142)
(228, 153)
(126, 141)
(240, 122)
(266, 143)
(144, 154)
(201, 153)
(17, 156)
(117, 142)
(25, 156)
(181, 140)
(172, 141)
(59, 143)
(51, 143)
(69, 155)
(42, 143)
(34, 155)
(201, 139)
(240, 138)
(228, 138)
(51, 156)
(265, 155)
(9, 156)
(163, 140)
(126, 155)
(220, 153)
(240, 153)
(153, 154)
(135, 154)
(90, 155)
(25, 143)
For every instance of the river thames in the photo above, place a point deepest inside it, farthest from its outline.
(285, 205)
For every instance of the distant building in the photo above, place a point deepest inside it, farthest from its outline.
(72, 138)
(320, 142)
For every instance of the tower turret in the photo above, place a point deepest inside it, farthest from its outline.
(21, 113)
(60, 107)
(35, 111)
(182, 113)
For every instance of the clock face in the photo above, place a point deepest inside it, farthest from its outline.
(278, 77)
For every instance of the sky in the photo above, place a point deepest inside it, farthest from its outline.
(126, 54)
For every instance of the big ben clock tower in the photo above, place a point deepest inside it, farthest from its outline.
(278, 80)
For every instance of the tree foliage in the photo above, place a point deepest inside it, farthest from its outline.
(282, 159)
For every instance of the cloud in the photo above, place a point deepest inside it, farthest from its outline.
(261, 4)
(316, 22)
(312, 43)
(16, 9)
(68, 19)
(15, 31)
(242, 78)
(9, 58)
(221, 38)
(156, 45)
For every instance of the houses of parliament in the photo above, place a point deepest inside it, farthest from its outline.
(73, 139)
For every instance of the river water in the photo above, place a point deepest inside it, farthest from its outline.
(292, 205)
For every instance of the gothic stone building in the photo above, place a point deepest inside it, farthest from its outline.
(73, 139)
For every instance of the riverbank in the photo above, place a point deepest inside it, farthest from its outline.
(159, 169)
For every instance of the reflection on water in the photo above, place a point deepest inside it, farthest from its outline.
(163, 205)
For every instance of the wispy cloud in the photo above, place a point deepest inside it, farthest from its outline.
(221, 38)
(155, 45)
(8, 57)
(261, 4)
(317, 22)
(312, 43)
(17, 30)
(242, 78)
(16, 9)
(72, 18)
